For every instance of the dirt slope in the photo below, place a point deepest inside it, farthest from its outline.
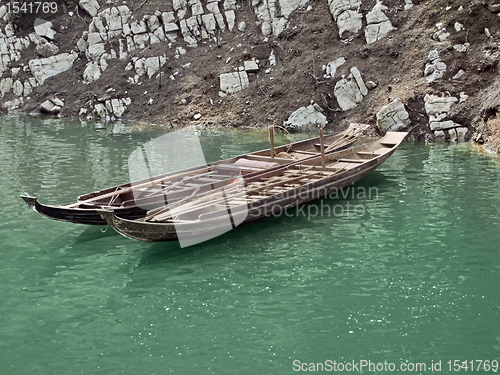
(311, 40)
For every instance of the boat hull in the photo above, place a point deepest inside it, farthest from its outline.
(78, 215)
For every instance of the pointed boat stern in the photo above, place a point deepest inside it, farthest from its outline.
(31, 201)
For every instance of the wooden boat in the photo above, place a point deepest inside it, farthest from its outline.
(123, 198)
(203, 217)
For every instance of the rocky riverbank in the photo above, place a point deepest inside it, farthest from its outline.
(427, 65)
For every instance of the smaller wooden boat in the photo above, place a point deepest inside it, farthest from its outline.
(132, 200)
(208, 215)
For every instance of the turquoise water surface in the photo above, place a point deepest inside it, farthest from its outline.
(411, 276)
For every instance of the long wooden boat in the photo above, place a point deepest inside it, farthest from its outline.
(124, 198)
(204, 217)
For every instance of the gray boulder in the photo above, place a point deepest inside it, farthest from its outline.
(347, 93)
(47, 49)
(393, 117)
(50, 107)
(43, 28)
(90, 6)
(231, 83)
(306, 119)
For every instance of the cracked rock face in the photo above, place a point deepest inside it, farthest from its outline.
(393, 117)
(348, 94)
(231, 83)
(437, 109)
(378, 24)
(274, 14)
(346, 14)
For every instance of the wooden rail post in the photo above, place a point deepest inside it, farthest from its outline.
(271, 139)
(322, 146)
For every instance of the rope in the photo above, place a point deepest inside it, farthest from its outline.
(105, 230)
(282, 128)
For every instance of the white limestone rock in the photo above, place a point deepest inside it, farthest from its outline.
(339, 6)
(153, 23)
(443, 125)
(272, 59)
(229, 4)
(43, 28)
(435, 104)
(209, 23)
(50, 107)
(393, 117)
(90, 6)
(346, 14)
(377, 15)
(495, 8)
(92, 72)
(179, 4)
(167, 17)
(141, 40)
(51, 66)
(461, 47)
(9, 30)
(153, 64)
(95, 51)
(440, 135)
(5, 85)
(377, 31)
(138, 28)
(231, 19)
(348, 94)
(17, 88)
(378, 24)
(458, 27)
(273, 14)
(242, 26)
(306, 119)
(408, 4)
(435, 68)
(97, 26)
(231, 83)
(197, 9)
(100, 110)
(27, 88)
(349, 23)
(113, 19)
(359, 81)
(3, 11)
(331, 68)
(461, 132)
(170, 27)
(94, 38)
(186, 33)
(13, 105)
(251, 66)
(82, 45)
(118, 106)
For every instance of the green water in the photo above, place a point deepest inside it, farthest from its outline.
(413, 275)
